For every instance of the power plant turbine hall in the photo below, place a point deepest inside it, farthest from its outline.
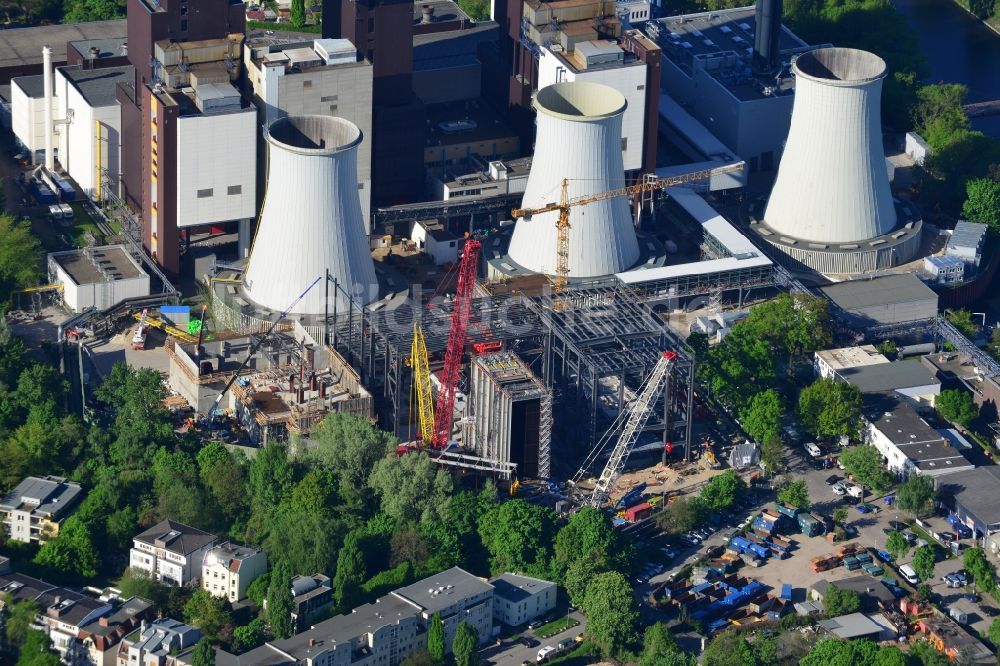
(311, 221)
(579, 138)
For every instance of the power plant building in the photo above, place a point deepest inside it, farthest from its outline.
(831, 208)
(707, 64)
(578, 139)
(323, 77)
(513, 412)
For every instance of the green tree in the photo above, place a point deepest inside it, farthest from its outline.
(772, 455)
(829, 408)
(270, 480)
(142, 424)
(795, 493)
(298, 14)
(578, 577)
(465, 645)
(411, 488)
(279, 601)
(722, 491)
(20, 257)
(208, 613)
(864, 463)
(680, 516)
(589, 534)
(897, 546)
(306, 527)
(890, 656)
(37, 650)
(795, 324)
(81, 11)
(478, 10)
(962, 320)
(916, 495)
(839, 601)
(840, 515)
(248, 636)
(957, 406)
(938, 113)
(729, 648)
(224, 475)
(518, 536)
(982, 9)
(762, 417)
(348, 447)
(660, 648)
(924, 559)
(436, 645)
(982, 203)
(742, 359)
(20, 616)
(698, 344)
(204, 654)
(834, 652)
(72, 554)
(351, 572)
(982, 572)
(612, 613)
(257, 590)
(887, 348)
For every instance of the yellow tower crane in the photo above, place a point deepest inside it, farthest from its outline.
(422, 382)
(561, 277)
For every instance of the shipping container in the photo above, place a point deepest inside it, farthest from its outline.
(638, 512)
(788, 510)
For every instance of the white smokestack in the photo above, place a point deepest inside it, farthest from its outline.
(579, 137)
(311, 220)
(50, 161)
(832, 185)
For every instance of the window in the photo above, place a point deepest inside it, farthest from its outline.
(307, 84)
(205, 194)
(328, 98)
(371, 24)
(642, 87)
(333, 108)
(624, 143)
(184, 25)
(234, 189)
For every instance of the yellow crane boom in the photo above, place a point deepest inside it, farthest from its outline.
(565, 203)
(422, 382)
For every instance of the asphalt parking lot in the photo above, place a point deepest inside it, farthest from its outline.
(512, 653)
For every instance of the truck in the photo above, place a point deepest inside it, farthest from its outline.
(565, 643)
(544, 653)
(809, 525)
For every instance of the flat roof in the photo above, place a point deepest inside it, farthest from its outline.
(97, 86)
(696, 134)
(851, 357)
(96, 265)
(23, 46)
(515, 587)
(967, 234)
(50, 495)
(437, 592)
(977, 491)
(482, 124)
(452, 48)
(854, 625)
(865, 586)
(922, 445)
(725, 36)
(908, 373)
(879, 291)
(109, 47)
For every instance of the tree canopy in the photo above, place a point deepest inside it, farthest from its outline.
(916, 495)
(465, 646)
(897, 545)
(829, 408)
(864, 463)
(20, 257)
(518, 536)
(982, 202)
(957, 406)
(795, 493)
(840, 601)
(924, 559)
(612, 612)
(411, 488)
(761, 419)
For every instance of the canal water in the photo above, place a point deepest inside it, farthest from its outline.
(959, 49)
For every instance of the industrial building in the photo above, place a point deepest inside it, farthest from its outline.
(966, 243)
(477, 178)
(888, 299)
(97, 277)
(513, 411)
(323, 77)
(849, 223)
(829, 363)
(71, 43)
(972, 495)
(708, 70)
(34, 509)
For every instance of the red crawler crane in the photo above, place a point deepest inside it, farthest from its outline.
(444, 416)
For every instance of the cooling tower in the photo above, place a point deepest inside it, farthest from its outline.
(311, 220)
(579, 137)
(832, 185)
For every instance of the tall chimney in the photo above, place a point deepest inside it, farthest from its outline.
(50, 162)
(767, 38)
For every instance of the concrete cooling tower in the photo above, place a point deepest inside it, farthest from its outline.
(831, 207)
(579, 137)
(311, 220)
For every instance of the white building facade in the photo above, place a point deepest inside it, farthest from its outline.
(172, 553)
(228, 570)
(520, 599)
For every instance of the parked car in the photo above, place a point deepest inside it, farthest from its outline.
(832, 479)
(839, 489)
(911, 537)
(534, 624)
(898, 526)
(883, 555)
(963, 531)
(947, 537)
(528, 641)
(907, 572)
(955, 580)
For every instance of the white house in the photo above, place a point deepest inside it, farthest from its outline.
(228, 570)
(171, 552)
(439, 243)
(520, 599)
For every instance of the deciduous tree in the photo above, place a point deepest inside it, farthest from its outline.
(351, 572)
(660, 648)
(279, 601)
(589, 534)
(204, 654)
(982, 203)
(348, 446)
(838, 601)
(916, 495)
(411, 488)
(518, 536)
(611, 609)
(980, 569)
(830, 409)
(436, 645)
(72, 555)
(795, 493)
(465, 645)
(924, 559)
(722, 491)
(20, 256)
(208, 613)
(957, 406)
(897, 545)
(864, 463)
(762, 417)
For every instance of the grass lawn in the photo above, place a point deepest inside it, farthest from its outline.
(82, 225)
(555, 627)
(584, 653)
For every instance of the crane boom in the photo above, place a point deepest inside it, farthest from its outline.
(444, 417)
(422, 380)
(639, 411)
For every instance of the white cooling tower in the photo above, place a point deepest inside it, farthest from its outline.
(832, 185)
(311, 221)
(579, 137)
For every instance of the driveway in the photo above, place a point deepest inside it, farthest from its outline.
(512, 653)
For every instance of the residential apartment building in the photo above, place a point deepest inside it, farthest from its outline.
(327, 77)
(385, 632)
(171, 552)
(829, 362)
(520, 599)
(311, 595)
(83, 630)
(33, 511)
(158, 643)
(228, 569)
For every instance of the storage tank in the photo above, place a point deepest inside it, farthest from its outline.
(579, 137)
(311, 219)
(832, 185)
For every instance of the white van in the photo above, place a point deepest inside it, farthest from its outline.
(907, 572)
(854, 491)
(545, 652)
(813, 450)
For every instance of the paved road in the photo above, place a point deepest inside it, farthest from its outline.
(512, 653)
